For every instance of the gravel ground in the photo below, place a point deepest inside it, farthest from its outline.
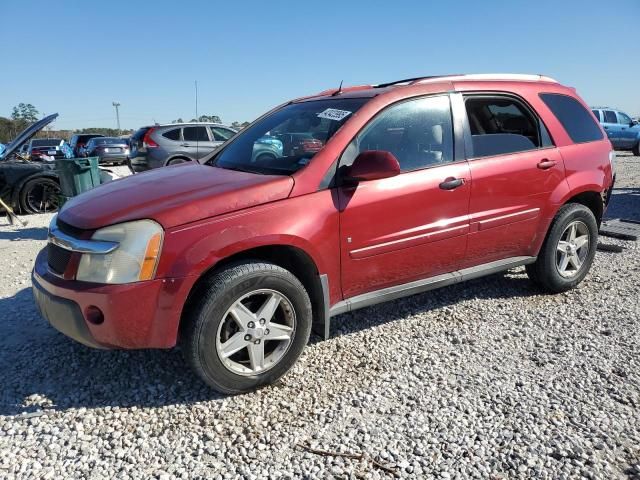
(487, 379)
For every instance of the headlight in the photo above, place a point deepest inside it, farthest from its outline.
(135, 259)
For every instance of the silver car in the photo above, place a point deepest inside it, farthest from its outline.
(160, 145)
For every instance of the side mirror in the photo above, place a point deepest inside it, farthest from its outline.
(373, 165)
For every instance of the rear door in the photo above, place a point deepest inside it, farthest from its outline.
(514, 168)
(399, 229)
(196, 142)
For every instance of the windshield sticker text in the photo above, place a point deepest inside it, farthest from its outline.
(334, 114)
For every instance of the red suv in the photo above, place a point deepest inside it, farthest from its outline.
(415, 185)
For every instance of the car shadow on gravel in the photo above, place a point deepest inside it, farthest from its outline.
(25, 233)
(503, 285)
(42, 369)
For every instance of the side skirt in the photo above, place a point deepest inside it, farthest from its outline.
(424, 285)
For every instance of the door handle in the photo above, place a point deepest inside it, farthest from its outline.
(185, 145)
(452, 183)
(606, 128)
(546, 164)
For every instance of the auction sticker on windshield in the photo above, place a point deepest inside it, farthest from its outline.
(334, 114)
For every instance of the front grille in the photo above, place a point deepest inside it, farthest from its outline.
(58, 258)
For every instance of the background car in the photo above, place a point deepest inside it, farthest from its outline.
(623, 132)
(108, 149)
(159, 145)
(79, 140)
(30, 187)
(39, 147)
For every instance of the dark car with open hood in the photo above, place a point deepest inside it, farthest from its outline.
(28, 186)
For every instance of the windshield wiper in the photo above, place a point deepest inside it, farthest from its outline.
(241, 169)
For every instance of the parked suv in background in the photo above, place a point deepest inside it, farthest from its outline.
(623, 132)
(79, 140)
(161, 145)
(418, 184)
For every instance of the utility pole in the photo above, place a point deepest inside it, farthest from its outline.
(117, 104)
(196, 84)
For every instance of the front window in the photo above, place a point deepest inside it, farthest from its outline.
(287, 140)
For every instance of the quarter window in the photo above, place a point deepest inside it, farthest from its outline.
(503, 125)
(418, 133)
(575, 119)
(173, 134)
(195, 134)
(610, 116)
(597, 114)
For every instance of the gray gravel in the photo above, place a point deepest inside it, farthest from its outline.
(488, 379)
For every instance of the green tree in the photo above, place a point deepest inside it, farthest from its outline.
(179, 120)
(25, 112)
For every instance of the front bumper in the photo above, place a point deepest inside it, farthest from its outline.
(136, 315)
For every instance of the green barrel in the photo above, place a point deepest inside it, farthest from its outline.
(77, 175)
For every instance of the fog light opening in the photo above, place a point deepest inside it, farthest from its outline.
(94, 315)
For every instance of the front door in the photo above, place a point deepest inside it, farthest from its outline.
(413, 225)
(628, 132)
(514, 168)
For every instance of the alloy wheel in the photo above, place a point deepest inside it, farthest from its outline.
(572, 249)
(256, 332)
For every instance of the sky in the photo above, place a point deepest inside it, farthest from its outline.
(77, 57)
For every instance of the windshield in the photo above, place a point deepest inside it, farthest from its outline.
(286, 141)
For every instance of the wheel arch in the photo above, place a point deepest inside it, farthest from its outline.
(292, 258)
(176, 156)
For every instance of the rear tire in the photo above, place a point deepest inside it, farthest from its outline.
(247, 326)
(568, 250)
(39, 195)
(636, 149)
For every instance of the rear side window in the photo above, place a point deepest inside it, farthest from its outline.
(579, 125)
(597, 114)
(610, 116)
(502, 125)
(173, 134)
(195, 134)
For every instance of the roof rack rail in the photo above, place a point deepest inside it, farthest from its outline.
(522, 77)
(471, 76)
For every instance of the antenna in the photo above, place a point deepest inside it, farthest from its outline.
(196, 84)
(339, 91)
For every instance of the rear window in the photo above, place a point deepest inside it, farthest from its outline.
(173, 134)
(46, 142)
(108, 141)
(579, 125)
(140, 133)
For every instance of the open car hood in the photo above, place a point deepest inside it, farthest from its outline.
(24, 136)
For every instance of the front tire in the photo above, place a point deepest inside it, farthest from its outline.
(247, 326)
(568, 251)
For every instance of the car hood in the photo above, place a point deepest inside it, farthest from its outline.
(173, 196)
(24, 136)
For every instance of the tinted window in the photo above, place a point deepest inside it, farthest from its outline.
(610, 116)
(172, 134)
(503, 125)
(221, 134)
(46, 142)
(597, 114)
(195, 134)
(624, 118)
(579, 125)
(418, 133)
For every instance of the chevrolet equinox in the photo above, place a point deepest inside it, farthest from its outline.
(377, 192)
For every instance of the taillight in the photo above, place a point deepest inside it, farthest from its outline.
(311, 145)
(147, 141)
